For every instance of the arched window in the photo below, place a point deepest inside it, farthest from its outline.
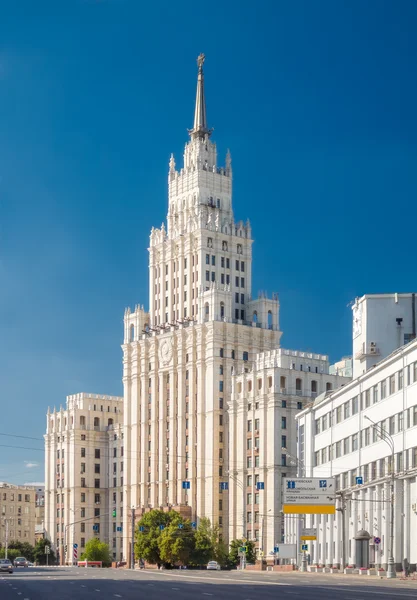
(96, 423)
(269, 319)
(132, 333)
(110, 422)
(222, 310)
(255, 317)
(314, 387)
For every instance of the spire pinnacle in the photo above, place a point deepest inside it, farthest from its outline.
(200, 129)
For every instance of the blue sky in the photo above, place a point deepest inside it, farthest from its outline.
(317, 102)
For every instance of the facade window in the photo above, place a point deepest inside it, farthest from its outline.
(375, 394)
(221, 386)
(346, 446)
(82, 452)
(97, 483)
(237, 265)
(97, 453)
(237, 297)
(97, 468)
(213, 260)
(207, 275)
(355, 406)
(246, 356)
(256, 461)
(249, 480)
(249, 443)
(207, 259)
(257, 498)
(392, 384)
(249, 498)
(250, 425)
(400, 379)
(355, 445)
(213, 276)
(221, 352)
(222, 261)
(249, 462)
(283, 422)
(233, 354)
(346, 410)
(383, 388)
(237, 281)
(318, 426)
(283, 441)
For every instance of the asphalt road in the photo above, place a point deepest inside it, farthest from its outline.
(106, 584)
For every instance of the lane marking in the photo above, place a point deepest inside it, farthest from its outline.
(207, 579)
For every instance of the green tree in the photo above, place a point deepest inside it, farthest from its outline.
(205, 541)
(39, 553)
(23, 549)
(147, 541)
(177, 544)
(208, 544)
(234, 558)
(11, 554)
(97, 551)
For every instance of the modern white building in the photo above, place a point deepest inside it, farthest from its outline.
(266, 395)
(381, 323)
(84, 471)
(202, 322)
(336, 439)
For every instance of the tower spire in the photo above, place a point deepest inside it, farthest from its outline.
(200, 129)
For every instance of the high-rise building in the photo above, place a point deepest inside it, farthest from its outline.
(83, 460)
(202, 324)
(265, 398)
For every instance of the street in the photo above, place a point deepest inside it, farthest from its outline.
(69, 583)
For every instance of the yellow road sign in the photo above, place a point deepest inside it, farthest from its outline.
(309, 509)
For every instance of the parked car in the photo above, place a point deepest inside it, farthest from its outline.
(6, 566)
(21, 561)
(213, 566)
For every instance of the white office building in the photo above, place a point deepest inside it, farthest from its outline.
(381, 324)
(337, 438)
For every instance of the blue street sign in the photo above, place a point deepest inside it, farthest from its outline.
(304, 547)
(377, 540)
(276, 549)
(224, 485)
(359, 480)
(180, 526)
(290, 485)
(118, 529)
(141, 528)
(193, 524)
(323, 483)
(260, 485)
(75, 546)
(161, 527)
(185, 485)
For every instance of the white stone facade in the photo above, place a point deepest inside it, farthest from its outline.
(83, 460)
(338, 441)
(266, 396)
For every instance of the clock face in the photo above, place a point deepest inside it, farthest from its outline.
(165, 352)
(357, 320)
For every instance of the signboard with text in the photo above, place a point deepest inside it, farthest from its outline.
(309, 496)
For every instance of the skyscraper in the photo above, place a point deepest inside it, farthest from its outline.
(202, 327)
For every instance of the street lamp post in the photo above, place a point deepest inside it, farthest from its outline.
(388, 439)
(301, 473)
(240, 484)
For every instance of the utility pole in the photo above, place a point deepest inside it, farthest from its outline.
(389, 440)
(342, 510)
(132, 549)
(7, 537)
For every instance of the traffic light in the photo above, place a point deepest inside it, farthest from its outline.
(114, 512)
(65, 549)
